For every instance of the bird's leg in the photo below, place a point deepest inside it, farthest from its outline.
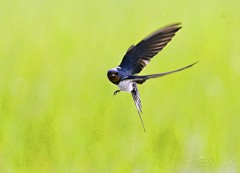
(116, 92)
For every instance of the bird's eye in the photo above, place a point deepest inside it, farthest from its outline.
(117, 73)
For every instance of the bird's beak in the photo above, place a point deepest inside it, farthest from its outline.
(112, 75)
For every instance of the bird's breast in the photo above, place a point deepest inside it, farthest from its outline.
(126, 85)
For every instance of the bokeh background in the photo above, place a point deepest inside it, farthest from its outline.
(57, 110)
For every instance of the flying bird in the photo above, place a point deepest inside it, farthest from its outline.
(136, 58)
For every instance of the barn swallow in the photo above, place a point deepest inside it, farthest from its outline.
(136, 58)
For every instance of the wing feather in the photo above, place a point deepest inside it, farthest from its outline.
(137, 101)
(137, 57)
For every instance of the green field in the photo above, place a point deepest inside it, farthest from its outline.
(57, 110)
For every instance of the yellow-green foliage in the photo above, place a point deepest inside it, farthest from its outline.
(57, 112)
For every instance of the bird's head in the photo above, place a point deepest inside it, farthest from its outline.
(113, 76)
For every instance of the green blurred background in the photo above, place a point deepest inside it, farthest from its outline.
(57, 112)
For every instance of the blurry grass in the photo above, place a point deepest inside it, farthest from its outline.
(57, 113)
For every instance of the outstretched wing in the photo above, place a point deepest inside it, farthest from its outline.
(137, 101)
(137, 57)
(142, 79)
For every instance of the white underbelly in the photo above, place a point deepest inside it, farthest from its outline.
(126, 85)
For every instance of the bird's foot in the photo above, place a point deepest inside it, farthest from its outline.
(116, 92)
